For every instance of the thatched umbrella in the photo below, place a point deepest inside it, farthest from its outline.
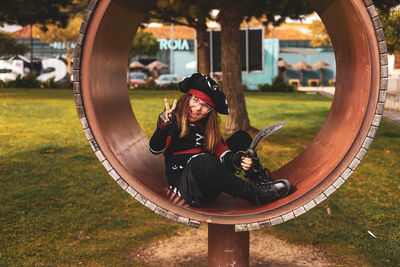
(136, 65)
(320, 65)
(301, 66)
(156, 65)
(282, 67)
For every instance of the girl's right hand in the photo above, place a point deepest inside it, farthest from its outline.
(165, 117)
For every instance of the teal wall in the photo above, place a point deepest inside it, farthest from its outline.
(181, 58)
(270, 70)
(271, 56)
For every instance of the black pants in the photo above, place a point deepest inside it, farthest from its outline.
(205, 177)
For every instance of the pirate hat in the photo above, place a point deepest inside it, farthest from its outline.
(207, 90)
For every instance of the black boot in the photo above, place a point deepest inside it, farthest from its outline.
(268, 192)
(257, 174)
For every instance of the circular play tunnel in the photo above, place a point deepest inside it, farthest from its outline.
(103, 106)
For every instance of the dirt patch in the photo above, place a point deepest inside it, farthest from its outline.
(189, 248)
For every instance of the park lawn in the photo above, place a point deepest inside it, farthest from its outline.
(368, 201)
(58, 206)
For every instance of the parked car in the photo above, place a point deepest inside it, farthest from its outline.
(137, 78)
(167, 78)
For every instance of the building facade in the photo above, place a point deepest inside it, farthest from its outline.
(264, 50)
(178, 51)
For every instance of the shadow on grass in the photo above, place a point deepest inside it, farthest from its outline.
(368, 201)
(314, 117)
(58, 204)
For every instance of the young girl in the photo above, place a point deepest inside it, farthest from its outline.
(199, 164)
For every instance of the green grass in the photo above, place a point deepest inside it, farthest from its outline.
(368, 201)
(52, 188)
(58, 206)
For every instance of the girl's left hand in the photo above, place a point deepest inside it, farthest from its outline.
(165, 118)
(246, 163)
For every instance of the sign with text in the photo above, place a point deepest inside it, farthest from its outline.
(176, 44)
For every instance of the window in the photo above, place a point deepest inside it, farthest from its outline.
(255, 49)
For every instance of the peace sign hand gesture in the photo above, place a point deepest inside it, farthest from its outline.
(165, 118)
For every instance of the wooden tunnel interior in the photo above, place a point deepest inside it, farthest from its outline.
(107, 106)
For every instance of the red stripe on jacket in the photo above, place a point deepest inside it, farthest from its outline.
(190, 151)
(219, 149)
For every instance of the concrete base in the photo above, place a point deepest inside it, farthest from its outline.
(326, 90)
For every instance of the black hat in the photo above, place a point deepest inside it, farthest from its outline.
(207, 86)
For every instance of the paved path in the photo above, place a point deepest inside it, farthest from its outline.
(389, 114)
(392, 115)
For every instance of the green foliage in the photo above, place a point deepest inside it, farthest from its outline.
(144, 43)
(150, 84)
(169, 86)
(386, 5)
(391, 27)
(10, 47)
(284, 87)
(77, 7)
(29, 12)
(278, 85)
(51, 84)
(274, 12)
(192, 13)
(265, 87)
(54, 33)
(320, 36)
(30, 81)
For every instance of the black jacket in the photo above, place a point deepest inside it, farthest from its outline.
(179, 151)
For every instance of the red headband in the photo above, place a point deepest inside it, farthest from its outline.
(202, 96)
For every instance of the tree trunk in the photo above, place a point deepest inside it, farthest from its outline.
(203, 55)
(68, 57)
(31, 66)
(238, 118)
(301, 77)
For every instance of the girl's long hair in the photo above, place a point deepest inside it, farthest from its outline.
(210, 123)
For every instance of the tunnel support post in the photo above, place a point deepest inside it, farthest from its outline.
(227, 247)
